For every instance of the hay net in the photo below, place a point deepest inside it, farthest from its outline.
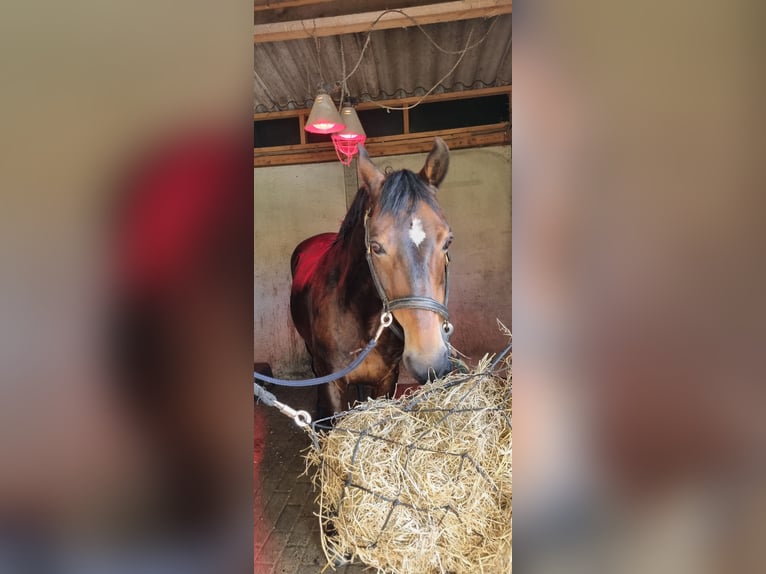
(421, 484)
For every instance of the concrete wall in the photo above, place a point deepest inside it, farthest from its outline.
(295, 202)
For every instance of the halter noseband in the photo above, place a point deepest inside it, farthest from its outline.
(413, 301)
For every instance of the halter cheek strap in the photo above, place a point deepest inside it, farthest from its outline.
(412, 301)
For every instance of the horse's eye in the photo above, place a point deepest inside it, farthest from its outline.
(377, 248)
(448, 243)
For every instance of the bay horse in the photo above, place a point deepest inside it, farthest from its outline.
(390, 255)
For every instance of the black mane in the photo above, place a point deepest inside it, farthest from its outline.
(355, 215)
(402, 191)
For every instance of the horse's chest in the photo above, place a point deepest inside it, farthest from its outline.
(374, 370)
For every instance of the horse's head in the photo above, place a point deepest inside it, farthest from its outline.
(407, 242)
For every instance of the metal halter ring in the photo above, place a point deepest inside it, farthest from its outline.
(448, 327)
(385, 321)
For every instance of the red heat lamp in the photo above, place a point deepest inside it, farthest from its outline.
(347, 140)
(324, 117)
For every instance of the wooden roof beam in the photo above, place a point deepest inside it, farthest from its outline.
(397, 102)
(353, 23)
(263, 5)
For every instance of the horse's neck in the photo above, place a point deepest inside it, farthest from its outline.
(355, 285)
(356, 291)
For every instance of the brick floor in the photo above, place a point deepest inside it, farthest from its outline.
(286, 532)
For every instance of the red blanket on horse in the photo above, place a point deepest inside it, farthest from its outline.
(309, 254)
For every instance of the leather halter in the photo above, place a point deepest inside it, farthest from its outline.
(412, 301)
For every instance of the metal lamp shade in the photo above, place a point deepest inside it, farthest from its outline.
(353, 130)
(324, 117)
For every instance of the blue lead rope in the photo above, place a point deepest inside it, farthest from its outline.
(385, 321)
(320, 380)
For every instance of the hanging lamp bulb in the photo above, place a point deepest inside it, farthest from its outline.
(324, 117)
(353, 130)
(347, 141)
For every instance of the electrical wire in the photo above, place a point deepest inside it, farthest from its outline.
(343, 81)
(343, 85)
(436, 85)
(319, 58)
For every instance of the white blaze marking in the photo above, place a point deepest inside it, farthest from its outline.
(416, 232)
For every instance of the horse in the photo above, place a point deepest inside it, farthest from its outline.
(390, 255)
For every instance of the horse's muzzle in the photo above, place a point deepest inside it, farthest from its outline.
(427, 369)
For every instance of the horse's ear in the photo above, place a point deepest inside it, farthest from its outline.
(369, 175)
(437, 162)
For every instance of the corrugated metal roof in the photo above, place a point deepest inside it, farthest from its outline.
(397, 63)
